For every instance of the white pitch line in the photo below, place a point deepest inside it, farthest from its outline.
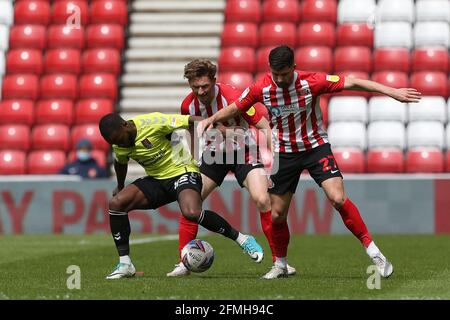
(154, 239)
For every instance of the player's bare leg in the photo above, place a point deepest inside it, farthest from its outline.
(334, 190)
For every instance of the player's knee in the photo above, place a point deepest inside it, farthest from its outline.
(337, 199)
(192, 214)
(262, 202)
(117, 203)
(278, 217)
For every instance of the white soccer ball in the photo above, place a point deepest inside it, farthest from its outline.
(197, 255)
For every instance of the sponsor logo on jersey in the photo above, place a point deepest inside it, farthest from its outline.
(332, 78)
(244, 94)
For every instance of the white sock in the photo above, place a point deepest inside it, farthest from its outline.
(241, 238)
(125, 259)
(372, 250)
(281, 262)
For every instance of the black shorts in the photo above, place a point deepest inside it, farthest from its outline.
(319, 162)
(163, 191)
(218, 171)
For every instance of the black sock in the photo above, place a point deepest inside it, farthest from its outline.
(120, 229)
(215, 223)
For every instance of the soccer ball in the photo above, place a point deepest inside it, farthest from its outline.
(197, 255)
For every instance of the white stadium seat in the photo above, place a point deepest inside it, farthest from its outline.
(387, 109)
(386, 134)
(2, 64)
(355, 11)
(393, 34)
(428, 109)
(429, 34)
(448, 110)
(6, 13)
(425, 134)
(347, 135)
(396, 10)
(4, 38)
(433, 10)
(447, 138)
(347, 109)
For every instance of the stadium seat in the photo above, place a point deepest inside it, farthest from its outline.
(356, 11)
(386, 134)
(90, 132)
(14, 137)
(347, 135)
(387, 109)
(27, 36)
(391, 59)
(101, 60)
(105, 36)
(6, 13)
(354, 74)
(280, 10)
(433, 10)
(50, 137)
(424, 161)
(347, 109)
(431, 83)
(12, 162)
(243, 11)
(91, 110)
(240, 34)
(429, 108)
(447, 161)
(432, 34)
(2, 64)
(354, 34)
(109, 11)
(385, 161)
(316, 34)
(98, 85)
(4, 37)
(318, 11)
(394, 79)
(32, 12)
(62, 36)
(64, 11)
(277, 33)
(396, 10)
(425, 134)
(17, 86)
(59, 86)
(45, 162)
(393, 34)
(237, 59)
(24, 61)
(262, 59)
(240, 80)
(62, 61)
(350, 160)
(17, 112)
(430, 59)
(97, 155)
(319, 59)
(54, 111)
(352, 59)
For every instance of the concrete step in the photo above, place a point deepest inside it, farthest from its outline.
(171, 54)
(181, 29)
(151, 79)
(142, 17)
(135, 105)
(154, 93)
(179, 6)
(174, 42)
(149, 67)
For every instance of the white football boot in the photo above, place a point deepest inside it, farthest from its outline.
(276, 272)
(122, 270)
(291, 270)
(384, 267)
(179, 271)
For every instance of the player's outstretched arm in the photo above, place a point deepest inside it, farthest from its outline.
(222, 115)
(402, 94)
(121, 174)
(264, 126)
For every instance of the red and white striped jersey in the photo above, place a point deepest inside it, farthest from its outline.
(294, 113)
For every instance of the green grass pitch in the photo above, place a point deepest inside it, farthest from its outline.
(329, 267)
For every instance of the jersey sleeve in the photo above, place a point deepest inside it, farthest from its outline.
(254, 114)
(326, 83)
(121, 155)
(171, 122)
(185, 106)
(248, 98)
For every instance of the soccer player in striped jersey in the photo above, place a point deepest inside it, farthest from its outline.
(292, 99)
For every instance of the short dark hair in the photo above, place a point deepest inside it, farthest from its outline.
(199, 68)
(281, 57)
(110, 123)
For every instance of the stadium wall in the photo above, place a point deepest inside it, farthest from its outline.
(389, 206)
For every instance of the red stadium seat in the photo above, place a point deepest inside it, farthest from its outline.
(243, 11)
(90, 132)
(350, 160)
(59, 86)
(240, 80)
(280, 10)
(15, 137)
(354, 74)
(318, 11)
(105, 35)
(430, 59)
(61, 36)
(385, 161)
(236, 59)
(353, 59)
(101, 60)
(431, 83)
(424, 161)
(391, 59)
(319, 59)
(50, 137)
(276, 33)
(91, 110)
(17, 112)
(12, 162)
(316, 34)
(27, 36)
(32, 12)
(65, 11)
(394, 79)
(24, 61)
(19, 86)
(45, 162)
(109, 11)
(98, 85)
(447, 161)
(354, 34)
(262, 59)
(97, 155)
(62, 61)
(54, 111)
(240, 34)
(260, 75)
